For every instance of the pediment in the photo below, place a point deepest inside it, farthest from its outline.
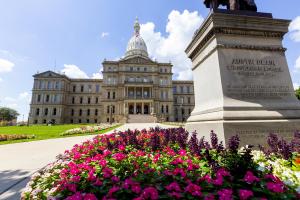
(137, 60)
(49, 74)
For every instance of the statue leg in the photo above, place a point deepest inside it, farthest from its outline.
(234, 4)
(214, 4)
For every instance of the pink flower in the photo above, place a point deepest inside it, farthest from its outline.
(107, 172)
(175, 195)
(121, 147)
(119, 156)
(245, 194)
(273, 178)
(194, 189)
(275, 187)
(225, 194)
(76, 179)
(250, 178)
(150, 193)
(209, 197)
(113, 190)
(218, 181)
(72, 187)
(177, 161)
(103, 163)
(115, 179)
(182, 152)
(179, 171)
(98, 182)
(90, 197)
(106, 152)
(76, 196)
(136, 189)
(156, 158)
(222, 172)
(173, 187)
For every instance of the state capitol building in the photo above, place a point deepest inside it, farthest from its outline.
(133, 89)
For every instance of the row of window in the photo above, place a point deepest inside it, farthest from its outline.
(88, 100)
(48, 98)
(165, 109)
(182, 100)
(46, 112)
(87, 112)
(137, 69)
(111, 95)
(182, 89)
(86, 88)
(183, 111)
(49, 85)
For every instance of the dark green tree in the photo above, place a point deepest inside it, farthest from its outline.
(8, 114)
(298, 93)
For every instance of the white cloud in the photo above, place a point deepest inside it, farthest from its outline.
(1, 80)
(296, 86)
(104, 34)
(295, 29)
(6, 66)
(73, 71)
(10, 99)
(180, 29)
(97, 76)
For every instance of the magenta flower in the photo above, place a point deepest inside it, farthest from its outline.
(136, 188)
(174, 186)
(275, 187)
(250, 178)
(76, 179)
(103, 163)
(194, 189)
(218, 181)
(225, 194)
(121, 147)
(175, 195)
(182, 152)
(113, 190)
(223, 172)
(150, 193)
(72, 187)
(245, 194)
(210, 197)
(179, 171)
(119, 156)
(177, 161)
(90, 196)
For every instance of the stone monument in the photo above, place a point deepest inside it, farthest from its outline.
(241, 77)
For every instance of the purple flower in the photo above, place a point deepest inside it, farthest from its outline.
(275, 187)
(76, 196)
(150, 193)
(90, 197)
(174, 186)
(250, 178)
(194, 189)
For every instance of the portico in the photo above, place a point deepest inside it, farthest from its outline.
(135, 108)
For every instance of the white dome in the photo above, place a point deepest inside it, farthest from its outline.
(136, 45)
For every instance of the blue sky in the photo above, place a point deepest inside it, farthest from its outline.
(78, 34)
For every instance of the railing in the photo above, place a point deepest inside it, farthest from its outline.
(138, 97)
(138, 81)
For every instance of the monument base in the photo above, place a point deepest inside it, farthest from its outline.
(252, 132)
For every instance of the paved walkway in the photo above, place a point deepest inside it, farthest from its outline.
(19, 161)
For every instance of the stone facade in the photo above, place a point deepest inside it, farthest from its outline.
(133, 89)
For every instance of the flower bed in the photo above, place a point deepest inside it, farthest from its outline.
(163, 164)
(6, 137)
(88, 129)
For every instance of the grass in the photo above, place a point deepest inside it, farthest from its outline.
(43, 132)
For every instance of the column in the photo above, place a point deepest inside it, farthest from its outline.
(134, 108)
(135, 92)
(127, 92)
(143, 94)
(143, 108)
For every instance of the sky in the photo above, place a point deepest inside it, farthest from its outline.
(75, 36)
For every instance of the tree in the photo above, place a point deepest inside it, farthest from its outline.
(8, 114)
(298, 93)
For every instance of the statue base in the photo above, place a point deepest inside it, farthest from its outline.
(241, 78)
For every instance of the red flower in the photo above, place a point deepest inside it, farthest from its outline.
(245, 194)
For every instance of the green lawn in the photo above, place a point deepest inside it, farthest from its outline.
(42, 132)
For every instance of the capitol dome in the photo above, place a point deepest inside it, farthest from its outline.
(136, 45)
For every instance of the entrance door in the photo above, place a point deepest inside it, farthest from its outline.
(146, 109)
(131, 109)
(138, 109)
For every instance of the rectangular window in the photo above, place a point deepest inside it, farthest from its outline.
(107, 110)
(47, 98)
(54, 111)
(46, 111)
(181, 89)
(189, 99)
(89, 100)
(96, 112)
(57, 85)
(90, 88)
(88, 112)
(188, 89)
(82, 88)
(80, 112)
(55, 98)
(81, 100)
(37, 113)
(114, 95)
(72, 112)
(49, 85)
(174, 89)
(97, 100)
(73, 100)
(97, 88)
(108, 95)
(39, 98)
(74, 88)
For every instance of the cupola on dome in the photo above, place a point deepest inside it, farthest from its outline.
(136, 45)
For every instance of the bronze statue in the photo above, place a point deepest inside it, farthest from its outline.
(248, 5)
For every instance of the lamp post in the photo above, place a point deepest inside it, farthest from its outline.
(110, 113)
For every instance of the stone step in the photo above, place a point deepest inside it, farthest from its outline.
(141, 119)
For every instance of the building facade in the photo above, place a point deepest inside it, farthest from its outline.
(133, 89)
